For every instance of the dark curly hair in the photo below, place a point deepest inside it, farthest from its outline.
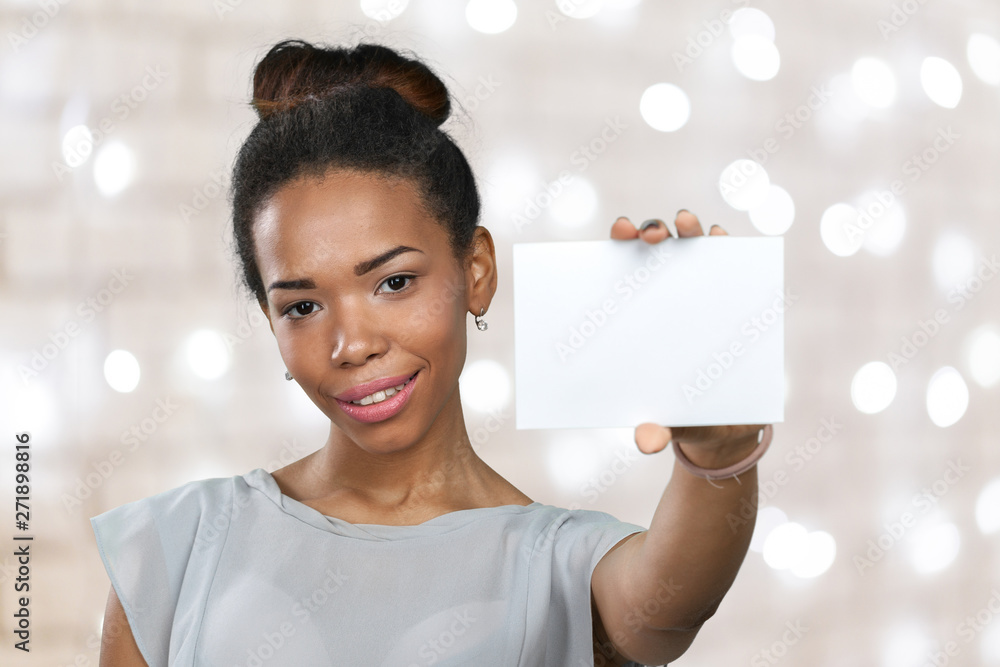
(366, 108)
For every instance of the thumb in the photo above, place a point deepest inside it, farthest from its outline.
(652, 438)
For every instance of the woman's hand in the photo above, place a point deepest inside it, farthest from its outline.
(706, 446)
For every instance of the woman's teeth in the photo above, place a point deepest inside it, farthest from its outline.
(379, 396)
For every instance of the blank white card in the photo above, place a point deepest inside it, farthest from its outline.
(685, 332)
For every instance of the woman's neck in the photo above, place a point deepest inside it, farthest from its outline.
(439, 473)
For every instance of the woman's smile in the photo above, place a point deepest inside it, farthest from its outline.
(378, 405)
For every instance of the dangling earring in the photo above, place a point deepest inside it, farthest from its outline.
(480, 322)
(288, 376)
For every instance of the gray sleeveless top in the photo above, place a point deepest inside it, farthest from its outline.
(230, 572)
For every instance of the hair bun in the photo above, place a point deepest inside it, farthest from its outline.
(294, 71)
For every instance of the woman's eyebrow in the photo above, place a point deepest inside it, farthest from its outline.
(360, 269)
(370, 265)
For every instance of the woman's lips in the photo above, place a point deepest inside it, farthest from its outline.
(381, 411)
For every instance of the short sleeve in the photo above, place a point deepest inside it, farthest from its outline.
(152, 548)
(580, 538)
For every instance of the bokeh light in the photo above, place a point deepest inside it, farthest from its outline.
(383, 10)
(768, 518)
(947, 397)
(744, 184)
(207, 354)
(983, 356)
(874, 82)
(573, 460)
(954, 259)
(941, 81)
(888, 224)
(77, 145)
(114, 168)
(775, 214)
(485, 385)
(785, 545)
(121, 370)
(748, 21)
(988, 507)
(665, 107)
(873, 387)
(756, 57)
(491, 16)
(818, 554)
(839, 230)
(933, 545)
(983, 53)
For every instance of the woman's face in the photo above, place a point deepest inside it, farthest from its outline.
(362, 285)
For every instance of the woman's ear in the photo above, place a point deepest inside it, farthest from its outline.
(481, 271)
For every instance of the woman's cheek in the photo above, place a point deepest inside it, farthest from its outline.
(430, 317)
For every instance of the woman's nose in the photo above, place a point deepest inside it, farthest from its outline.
(358, 337)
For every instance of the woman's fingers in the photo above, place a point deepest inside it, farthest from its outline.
(623, 229)
(688, 224)
(655, 230)
(650, 231)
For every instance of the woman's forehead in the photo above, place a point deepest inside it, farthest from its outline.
(342, 217)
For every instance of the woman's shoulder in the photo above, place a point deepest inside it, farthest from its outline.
(183, 503)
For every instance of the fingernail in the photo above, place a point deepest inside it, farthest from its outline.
(649, 223)
(683, 210)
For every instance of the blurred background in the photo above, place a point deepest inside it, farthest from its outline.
(866, 133)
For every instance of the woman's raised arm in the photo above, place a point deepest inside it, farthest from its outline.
(654, 590)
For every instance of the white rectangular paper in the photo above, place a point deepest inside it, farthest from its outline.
(685, 332)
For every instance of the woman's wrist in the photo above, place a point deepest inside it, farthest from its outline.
(723, 461)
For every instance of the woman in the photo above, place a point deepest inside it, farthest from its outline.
(355, 220)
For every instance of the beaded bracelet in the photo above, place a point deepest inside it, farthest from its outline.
(737, 468)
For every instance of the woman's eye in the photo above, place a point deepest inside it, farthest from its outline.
(301, 309)
(397, 283)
